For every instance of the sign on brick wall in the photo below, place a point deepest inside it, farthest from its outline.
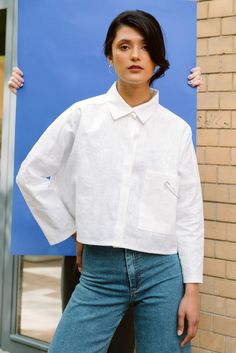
(60, 52)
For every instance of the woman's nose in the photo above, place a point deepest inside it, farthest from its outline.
(135, 54)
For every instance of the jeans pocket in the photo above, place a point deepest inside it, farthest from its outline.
(158, 202)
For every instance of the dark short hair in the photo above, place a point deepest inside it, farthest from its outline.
(151, 30)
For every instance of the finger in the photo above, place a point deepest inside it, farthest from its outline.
(192, 331)
(194, 75)
(196, 82)
(12, 86)
(17, 77)
(18, 82)
(188, 338)
(17, 70)
(180, 328)
(197, 68)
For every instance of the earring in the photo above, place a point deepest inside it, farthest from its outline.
(109, 67)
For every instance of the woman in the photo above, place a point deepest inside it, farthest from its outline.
(119, 172)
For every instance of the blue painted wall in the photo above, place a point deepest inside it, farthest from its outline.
(60, 52)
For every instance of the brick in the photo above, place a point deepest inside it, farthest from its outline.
(218, 155)
(234, 39)
(215, 230)
(225, 250)
(231, 232)
(195, 340)
(208, 285)
(229, 25)
(202, 10)
(212, 341)
(201, 154)
(219, 45)
(234, 82)
(234, 120)
(226, 174)
(208, 173)
(231, 307)
(201, 119)
(207, 137)
(227, 100)
(224, 326)
(218, 119)
(230, 345)
(232, 193)
(216, 192)
(211, 64)
(231, 271)
(226, 213)
(202, 47)
(203, 86)
(209, 248)
(233, 156)
(227, 64)
(213, 304)
(200, 350)
(227, 138)
(209, 210)
(224, 288)
(220, 82)
(214, 267)
(208, 28)
(211, 101)
(219, 8)
(206, 321)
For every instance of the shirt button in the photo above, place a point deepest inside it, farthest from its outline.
(134, 115)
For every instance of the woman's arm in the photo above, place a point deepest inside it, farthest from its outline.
(45, 160)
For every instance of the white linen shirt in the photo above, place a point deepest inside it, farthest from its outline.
(119, 176)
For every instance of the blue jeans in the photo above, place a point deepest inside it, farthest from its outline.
(111, 280)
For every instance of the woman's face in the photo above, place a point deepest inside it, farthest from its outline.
(130, 57)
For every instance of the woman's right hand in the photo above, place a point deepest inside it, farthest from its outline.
(16, 80)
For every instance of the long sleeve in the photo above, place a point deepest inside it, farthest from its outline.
(44, 161)
(190, 221)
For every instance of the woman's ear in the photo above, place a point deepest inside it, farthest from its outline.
(109, 59)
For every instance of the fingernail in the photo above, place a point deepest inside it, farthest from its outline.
(179, 332)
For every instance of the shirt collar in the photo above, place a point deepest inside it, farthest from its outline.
(119, 108)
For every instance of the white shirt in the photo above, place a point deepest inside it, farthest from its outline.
(118, 176)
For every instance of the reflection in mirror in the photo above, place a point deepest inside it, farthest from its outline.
(40, 296)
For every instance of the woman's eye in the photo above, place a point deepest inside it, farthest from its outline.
(145, 47)
(124, 47)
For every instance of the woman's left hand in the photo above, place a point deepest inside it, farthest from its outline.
(189, 312)
(195, 79)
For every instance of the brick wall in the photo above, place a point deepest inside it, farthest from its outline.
(216, 151)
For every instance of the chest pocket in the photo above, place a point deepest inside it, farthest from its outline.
(158, 203)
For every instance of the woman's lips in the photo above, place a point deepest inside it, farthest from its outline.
(135, 68)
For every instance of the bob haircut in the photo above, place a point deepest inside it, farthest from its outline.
(148, 26)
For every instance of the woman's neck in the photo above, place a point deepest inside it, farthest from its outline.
(134, 94)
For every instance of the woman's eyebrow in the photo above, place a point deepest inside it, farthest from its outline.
(128, 40)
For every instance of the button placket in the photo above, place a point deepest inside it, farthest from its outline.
(126, 182)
